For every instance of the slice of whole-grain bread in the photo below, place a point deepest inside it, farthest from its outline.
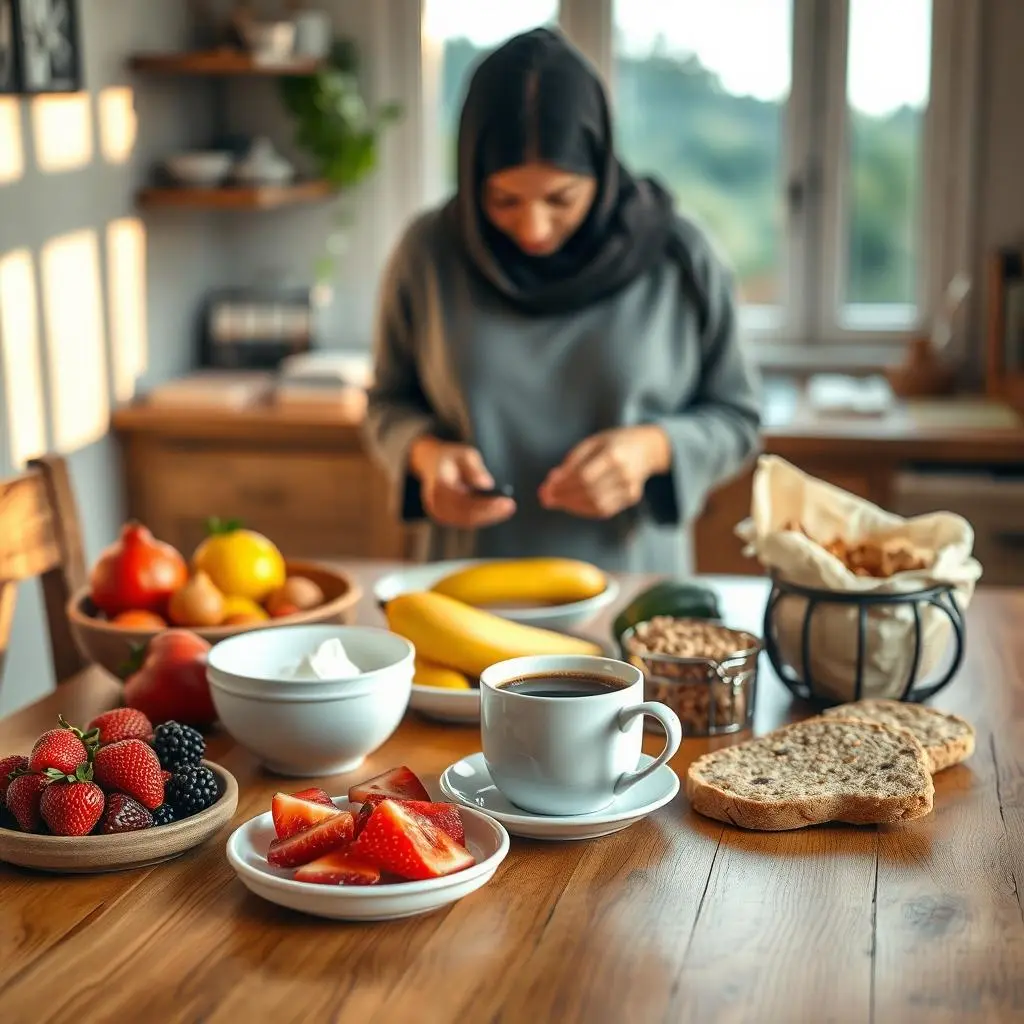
(823, 769)
(947, 739)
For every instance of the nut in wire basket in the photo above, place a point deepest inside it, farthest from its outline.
(703, 670)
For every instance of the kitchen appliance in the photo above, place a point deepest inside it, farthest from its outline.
(255, 329)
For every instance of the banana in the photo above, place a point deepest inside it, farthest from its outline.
(448, 632)
(444, 678)
(538, 581)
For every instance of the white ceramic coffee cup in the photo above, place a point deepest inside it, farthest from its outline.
(568, 755)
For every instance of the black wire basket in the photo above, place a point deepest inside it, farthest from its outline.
(801, 681)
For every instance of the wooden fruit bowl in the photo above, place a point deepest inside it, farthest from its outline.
(79, 855)
(111, 646)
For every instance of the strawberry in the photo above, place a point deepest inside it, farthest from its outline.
(61, 751)
(9, 765)
(403, 843)
(311, 843)
(315, 795)
(121, 724)
(23, 800)
(132, 767)
(166, 776)
(292, 815)
(124, 814)
(445, 816)
(71, 808)
(399, 783)
(339, 867)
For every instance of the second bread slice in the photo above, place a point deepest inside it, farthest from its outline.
(947, 739)
(824, 769)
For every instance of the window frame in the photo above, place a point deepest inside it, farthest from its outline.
(809, 331)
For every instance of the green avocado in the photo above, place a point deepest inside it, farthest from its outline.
(681, 600)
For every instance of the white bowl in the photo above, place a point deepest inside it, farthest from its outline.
(550, 616)
(247, 847)
(310, 728)
(200, 168)
(270, 41)
(459, 707)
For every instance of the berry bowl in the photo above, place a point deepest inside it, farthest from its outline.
(93, 854)
(485, 838)
(310, 727)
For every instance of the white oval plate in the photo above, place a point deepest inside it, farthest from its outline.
(555, 616)
(458, 707)
(469, 784)
(247, 848)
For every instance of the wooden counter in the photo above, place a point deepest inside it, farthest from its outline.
(302, 474)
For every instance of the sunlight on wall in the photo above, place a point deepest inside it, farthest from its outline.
(126, 301)
(62, 131)
(12, 152)
(19, 349)
(115, 109)
(75, 350)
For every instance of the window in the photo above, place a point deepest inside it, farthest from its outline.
(824, 144)
(702, 107)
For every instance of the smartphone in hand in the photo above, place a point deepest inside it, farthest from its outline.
(498, 491)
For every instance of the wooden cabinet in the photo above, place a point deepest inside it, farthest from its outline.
(315, 496)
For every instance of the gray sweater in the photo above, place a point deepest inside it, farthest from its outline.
(455, 359)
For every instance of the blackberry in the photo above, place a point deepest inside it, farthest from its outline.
(178, 745)
(191, 789)
(163, 815)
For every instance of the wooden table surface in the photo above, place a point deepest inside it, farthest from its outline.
(676, 919)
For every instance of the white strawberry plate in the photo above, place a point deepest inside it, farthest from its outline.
(247, 848)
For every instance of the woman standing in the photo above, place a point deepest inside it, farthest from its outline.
(558, 329)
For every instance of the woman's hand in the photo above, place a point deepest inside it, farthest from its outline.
(448, 475)
(606, 473)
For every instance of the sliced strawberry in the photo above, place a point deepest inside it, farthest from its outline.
(444, 816)
(400, 783)
(315, 795)
(293, 814)
(339, 867)
(311, 843)
(403, 843)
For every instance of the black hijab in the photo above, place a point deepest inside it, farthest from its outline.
(536, 98)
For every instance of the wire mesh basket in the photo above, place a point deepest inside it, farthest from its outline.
(796, 670)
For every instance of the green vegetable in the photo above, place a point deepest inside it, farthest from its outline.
(670, 597)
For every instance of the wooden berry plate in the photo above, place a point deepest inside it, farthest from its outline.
(95, 854)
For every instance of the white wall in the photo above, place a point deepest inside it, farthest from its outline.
(68, 171)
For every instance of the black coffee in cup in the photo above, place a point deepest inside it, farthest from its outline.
(561, 684)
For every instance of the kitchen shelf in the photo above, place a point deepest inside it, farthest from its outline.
(231, 197)
(220, 62)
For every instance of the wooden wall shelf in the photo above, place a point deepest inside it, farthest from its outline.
(258, 197)
(219, 62)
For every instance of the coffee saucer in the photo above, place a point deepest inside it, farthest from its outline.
(469, 782)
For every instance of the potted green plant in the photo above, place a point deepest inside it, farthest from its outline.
(339, 132)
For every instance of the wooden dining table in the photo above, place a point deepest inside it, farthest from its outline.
(676, 919)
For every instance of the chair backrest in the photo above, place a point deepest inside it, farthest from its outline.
(40, 536)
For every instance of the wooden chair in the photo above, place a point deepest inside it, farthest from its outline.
(40, 536)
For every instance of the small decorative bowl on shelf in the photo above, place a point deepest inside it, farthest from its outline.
(830, 647)
(112, 645)
(703, 670)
